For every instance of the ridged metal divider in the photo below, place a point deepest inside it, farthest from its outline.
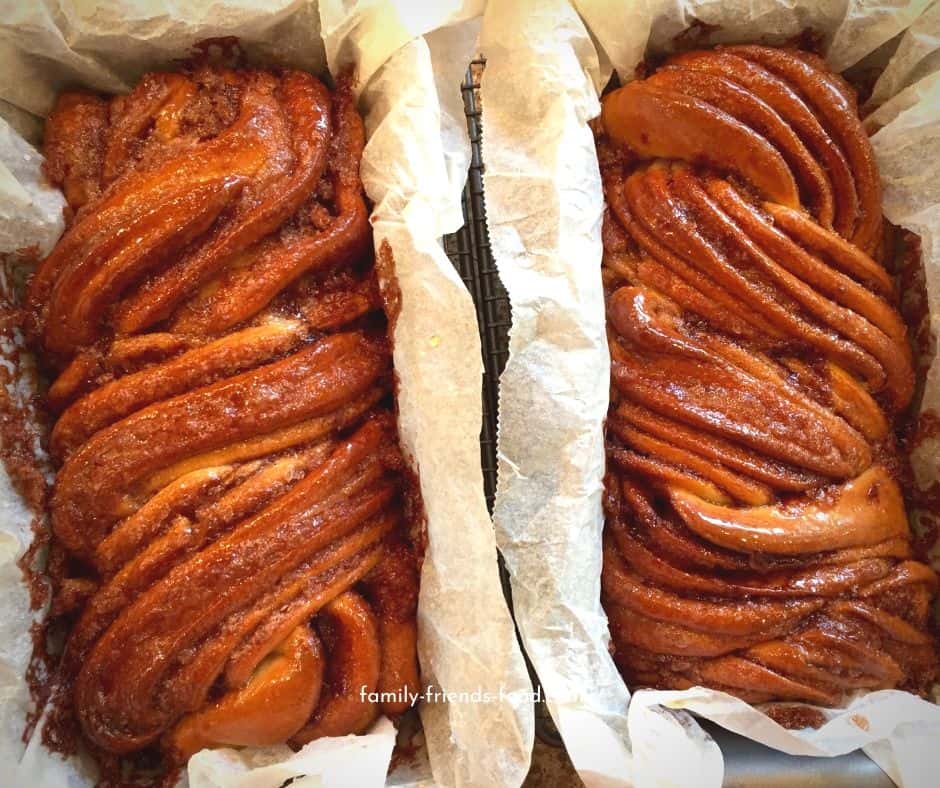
(469, 250)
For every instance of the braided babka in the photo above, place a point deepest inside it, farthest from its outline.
(756, 536)
(234, 525)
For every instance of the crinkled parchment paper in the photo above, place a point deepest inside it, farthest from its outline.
(547, 60)
(410, 58)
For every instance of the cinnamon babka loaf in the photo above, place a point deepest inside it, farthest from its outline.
(756, 536)
(231, 513)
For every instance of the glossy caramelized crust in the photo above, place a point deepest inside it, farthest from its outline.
(230, 507)
(756, 538)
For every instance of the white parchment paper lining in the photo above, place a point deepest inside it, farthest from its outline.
(547, 61)
(410, 59)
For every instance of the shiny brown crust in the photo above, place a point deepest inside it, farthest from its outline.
(230, 497)
(756, 540)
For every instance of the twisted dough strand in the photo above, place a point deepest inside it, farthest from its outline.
(756, 538)
(230, 493)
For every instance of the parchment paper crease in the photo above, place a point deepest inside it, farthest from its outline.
(547, 60)
(409, 58)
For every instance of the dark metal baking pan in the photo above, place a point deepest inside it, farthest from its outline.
(752, 765)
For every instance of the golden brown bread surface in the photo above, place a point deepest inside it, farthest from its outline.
(231, 508)
(756, 537)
